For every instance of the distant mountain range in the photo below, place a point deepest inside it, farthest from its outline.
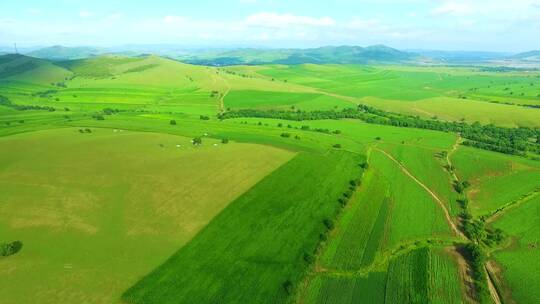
(59, 52)
(376, 54)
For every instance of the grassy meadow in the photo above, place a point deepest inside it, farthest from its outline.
(103, 182)
(95, 211)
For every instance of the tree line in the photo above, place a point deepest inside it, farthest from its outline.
(515, 141)
(4, 101)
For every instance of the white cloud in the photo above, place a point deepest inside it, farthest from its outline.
(274, 20)
(85, 14)
(453, 8)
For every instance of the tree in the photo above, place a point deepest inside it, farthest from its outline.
(328, 223)
(285, 135)
(7, 249)
(172, 122)
(225, 141)
(196, 141)
(288, 286)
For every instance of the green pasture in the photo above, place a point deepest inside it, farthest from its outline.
(97, 211)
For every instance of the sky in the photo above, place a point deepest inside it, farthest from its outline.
(482, 25)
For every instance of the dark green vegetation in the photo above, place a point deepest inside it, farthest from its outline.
(505, 140)
(147, 180)
(244, 236)
(7, 249)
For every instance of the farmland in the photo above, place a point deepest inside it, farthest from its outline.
(147, 180)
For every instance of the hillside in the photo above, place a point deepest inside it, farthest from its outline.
(59, 52)
(322, 55)
(529, 56)
(29, 69)
(145, 179)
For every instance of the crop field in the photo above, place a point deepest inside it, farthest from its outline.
(519, 261)
(343, 289)
(244, 236)
(496, 179)
(447, 94)
(143, 179)
(423, 276)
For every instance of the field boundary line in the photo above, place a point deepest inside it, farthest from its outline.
(513, 204)
(426, 188)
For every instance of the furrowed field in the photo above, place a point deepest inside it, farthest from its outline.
(113, 200)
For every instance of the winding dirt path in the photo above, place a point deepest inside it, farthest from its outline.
(435, 197)
(492, 290)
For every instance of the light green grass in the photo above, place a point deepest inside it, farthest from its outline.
(97, 211)
(283, 100)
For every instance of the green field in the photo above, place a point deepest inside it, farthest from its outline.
(244, 236)
(495, 179)
(519, 261)
(95, 211)
(103, 182)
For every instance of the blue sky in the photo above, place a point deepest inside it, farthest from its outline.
(489, 25)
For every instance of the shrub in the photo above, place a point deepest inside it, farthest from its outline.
(337, 146)
(288, 286)
(7, 249)
(286, 135)
(225, 141)
(196, 141)
(172, 122)
(309, 258)
(328, 223)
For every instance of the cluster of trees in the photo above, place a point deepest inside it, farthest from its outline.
(45, 94)
(110, 111)
(7, 249)
(506, 140)
(476, 257)
(478, 234)
(4, 101)
(460, 186)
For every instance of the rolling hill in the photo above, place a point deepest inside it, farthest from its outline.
(322, 55)
(145, 179)
(59, 52)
